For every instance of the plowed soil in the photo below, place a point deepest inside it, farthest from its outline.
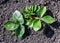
(48, 34)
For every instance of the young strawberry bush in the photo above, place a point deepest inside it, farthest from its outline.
(16, 25)
(32, 16)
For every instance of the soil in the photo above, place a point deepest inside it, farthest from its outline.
(48, 34)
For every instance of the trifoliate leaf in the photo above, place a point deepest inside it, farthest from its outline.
(30, 10)
(10, 25)
(48, 19)
(37, 25)
(17, 16)
(20, 31)
(35, 10)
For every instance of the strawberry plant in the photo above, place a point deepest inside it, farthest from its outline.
(32, 16)
(16, 24)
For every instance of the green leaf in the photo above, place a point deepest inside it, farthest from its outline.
(30, 10)
(30, 22)
(37, 25)
(48, 19)
(35, 8)
(27, 22)
(17, 16)
(20, 31)
(10, 25)
(38, 11)
(41, 11)
(26, 14)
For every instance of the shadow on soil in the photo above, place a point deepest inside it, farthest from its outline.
(56, 25)
(48, 12)
(27, 32)
(48, 32)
